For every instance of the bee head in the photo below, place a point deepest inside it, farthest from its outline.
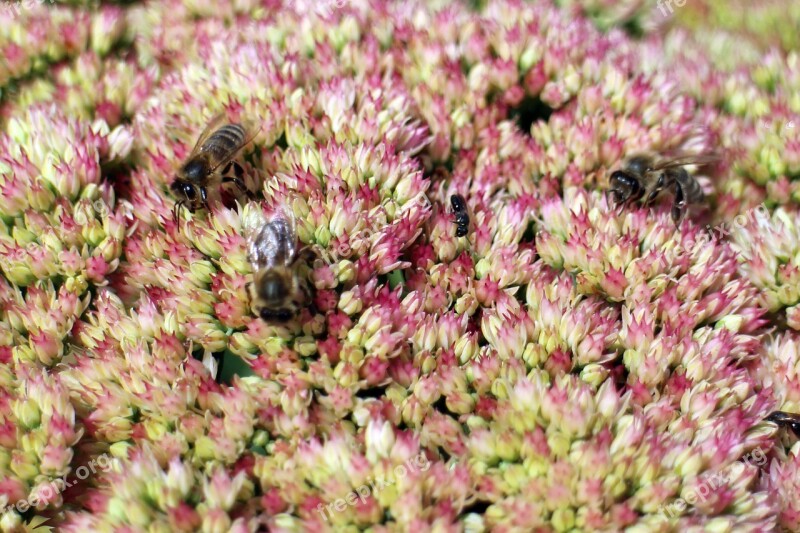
(779, 417)
(789, 420)
(280, 316)
(184, 189)
(624, 186)
(639, 164)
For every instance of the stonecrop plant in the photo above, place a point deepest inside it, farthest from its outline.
(567, 364)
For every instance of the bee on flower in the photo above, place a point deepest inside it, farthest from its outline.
(211, 163)
(278, 291)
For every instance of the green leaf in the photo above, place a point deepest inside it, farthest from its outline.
(395, 278)
(233, 365)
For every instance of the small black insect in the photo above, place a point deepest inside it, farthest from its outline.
(459, 206)
(785, 419)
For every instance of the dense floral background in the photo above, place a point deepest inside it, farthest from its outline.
(565, 367)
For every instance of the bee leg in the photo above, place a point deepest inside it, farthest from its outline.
(305, 299)
(313, 251)
(249, 289)
(679, 206)
(239, 185)
(307, 252)
(619, 202)
(657, 189)
(238, 170)
(619, 208)
(176, 211)
(305, 296)
(204, 196)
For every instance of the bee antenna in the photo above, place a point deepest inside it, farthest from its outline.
(176, 211)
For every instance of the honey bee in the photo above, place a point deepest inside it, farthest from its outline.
(277, 290)
(211, 163)
(785, 419)
(459, 208)
(645, 175)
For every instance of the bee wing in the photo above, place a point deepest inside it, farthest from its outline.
(251, 130)
(273, 242)
(210, 128)
(286, 223)
(259, 248)
(288, 214)
(253, 222)
(683, 160)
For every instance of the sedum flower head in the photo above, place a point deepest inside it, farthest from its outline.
(564, 365)
(767, 257)
(38, 433)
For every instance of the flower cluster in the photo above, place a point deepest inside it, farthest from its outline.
(782, 482)
(60, 234)
(60, 33)
(565, 364)
(152, 495)
(748, 106)
(768, 257)
(37, 434)
(780, 371)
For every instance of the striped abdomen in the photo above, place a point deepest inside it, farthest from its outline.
(692, 191)
(225, 142)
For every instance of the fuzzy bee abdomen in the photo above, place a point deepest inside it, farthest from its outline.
(225, 141)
